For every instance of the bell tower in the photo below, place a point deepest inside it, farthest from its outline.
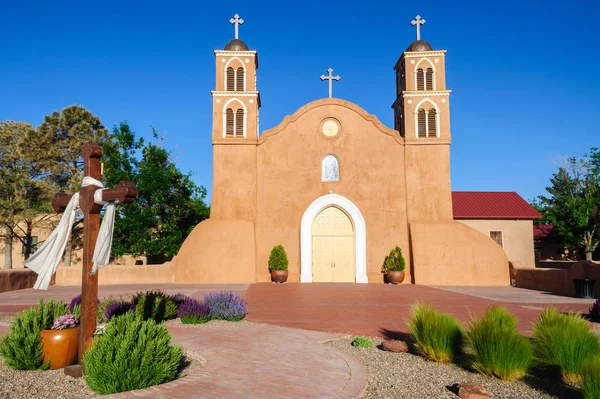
(422, 116)
(421, 109)
(235, 131)
(235, 99)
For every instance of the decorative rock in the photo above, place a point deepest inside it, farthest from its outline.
(471, 390)
(394, 345)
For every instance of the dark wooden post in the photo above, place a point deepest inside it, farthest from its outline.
(125, 193)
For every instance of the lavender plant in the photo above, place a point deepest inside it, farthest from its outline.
(117, 308)
(226, 305)
(65, 322)
(193, 311)
(595, 311)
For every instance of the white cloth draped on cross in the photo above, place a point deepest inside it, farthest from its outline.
(46, 259)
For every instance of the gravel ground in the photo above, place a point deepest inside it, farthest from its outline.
(406, 375)
(54, 384)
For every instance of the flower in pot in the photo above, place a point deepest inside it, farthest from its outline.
(278, 264)
(60, 343)
(394, 266)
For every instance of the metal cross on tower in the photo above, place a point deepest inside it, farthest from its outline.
(236, 20)
(331, 78)
(418, 22)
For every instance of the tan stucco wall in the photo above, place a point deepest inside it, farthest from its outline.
(217, 251)
(452, 253)
(517, 237)
(114, 274)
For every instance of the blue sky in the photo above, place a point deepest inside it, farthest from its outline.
(523, 73)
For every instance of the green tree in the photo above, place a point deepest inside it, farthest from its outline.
(55, 146)
(573, 203)
(24, 194)
(168, 206)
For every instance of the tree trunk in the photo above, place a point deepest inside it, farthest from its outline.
(8, 243)
(68, 251)
(588, 255)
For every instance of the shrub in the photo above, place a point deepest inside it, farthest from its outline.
(226, 305)
(595, 311)
(564, 342)
(590, 373)
(155, 305)
(117, 308)
(101, 309)
(22, 347)
(498, 349)
(395, 261)
(65, 322)
(178, 299)
(278, 259)
(132, 354)
(362, 342)
(437, 336)
(193, 311)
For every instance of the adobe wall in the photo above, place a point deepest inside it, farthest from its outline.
(517, 237)
(371, 158)
(217, 251)
(452, 253)
(115, 274)
(17, 279)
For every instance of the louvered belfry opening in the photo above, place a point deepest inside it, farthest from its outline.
(422, 123)
(239, 123)
(229, 123)
(420, 79)
(230, 79)
(431, 123)
(239, 79)
(429, 79)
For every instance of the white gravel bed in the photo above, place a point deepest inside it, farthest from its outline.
(54, 384)
(406, 375)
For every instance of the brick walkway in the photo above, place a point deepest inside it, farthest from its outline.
(380, 310)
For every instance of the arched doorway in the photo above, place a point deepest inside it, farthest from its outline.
(352, 213)
(333, 247)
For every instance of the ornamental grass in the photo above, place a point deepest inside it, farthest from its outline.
(497, 348)
(132, 354)
(436, 335)
(564, 341)
(590, 381)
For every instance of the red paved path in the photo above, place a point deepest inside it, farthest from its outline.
(378, 309)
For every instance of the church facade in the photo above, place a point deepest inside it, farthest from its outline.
(335, 187)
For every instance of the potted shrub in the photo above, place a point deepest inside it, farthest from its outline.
(278, 264)
(60, 343)
(394, 266)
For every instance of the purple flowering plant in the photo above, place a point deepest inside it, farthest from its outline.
(595, 311)
(193, 311)
(118, 308)
(226, 305)
(65, 322)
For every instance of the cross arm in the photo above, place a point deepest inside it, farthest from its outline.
(125, 193)
(60, 201)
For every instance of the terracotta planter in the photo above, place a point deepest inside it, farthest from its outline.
(60, 347)
(394, 277)
(279, 276)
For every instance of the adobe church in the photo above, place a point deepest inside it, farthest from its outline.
(334, 186)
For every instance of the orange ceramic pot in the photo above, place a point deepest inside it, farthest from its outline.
(279, 276)
(60, 347)
(394, 277)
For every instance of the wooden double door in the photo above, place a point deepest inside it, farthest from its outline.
(333, 247)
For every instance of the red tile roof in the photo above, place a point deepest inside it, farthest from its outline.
(491, 205)
(542, 231)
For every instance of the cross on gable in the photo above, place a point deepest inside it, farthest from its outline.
(418, 22)
(236, 20)
(330, 78)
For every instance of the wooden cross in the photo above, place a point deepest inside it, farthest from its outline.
(124, 194)
(418, 22)
(236, 20)
(331, 78)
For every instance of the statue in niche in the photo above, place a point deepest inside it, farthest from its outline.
(330, 170)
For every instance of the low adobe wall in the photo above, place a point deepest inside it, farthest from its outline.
(452, 253)
(556, 281)
(113, 274)
(17, 279)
